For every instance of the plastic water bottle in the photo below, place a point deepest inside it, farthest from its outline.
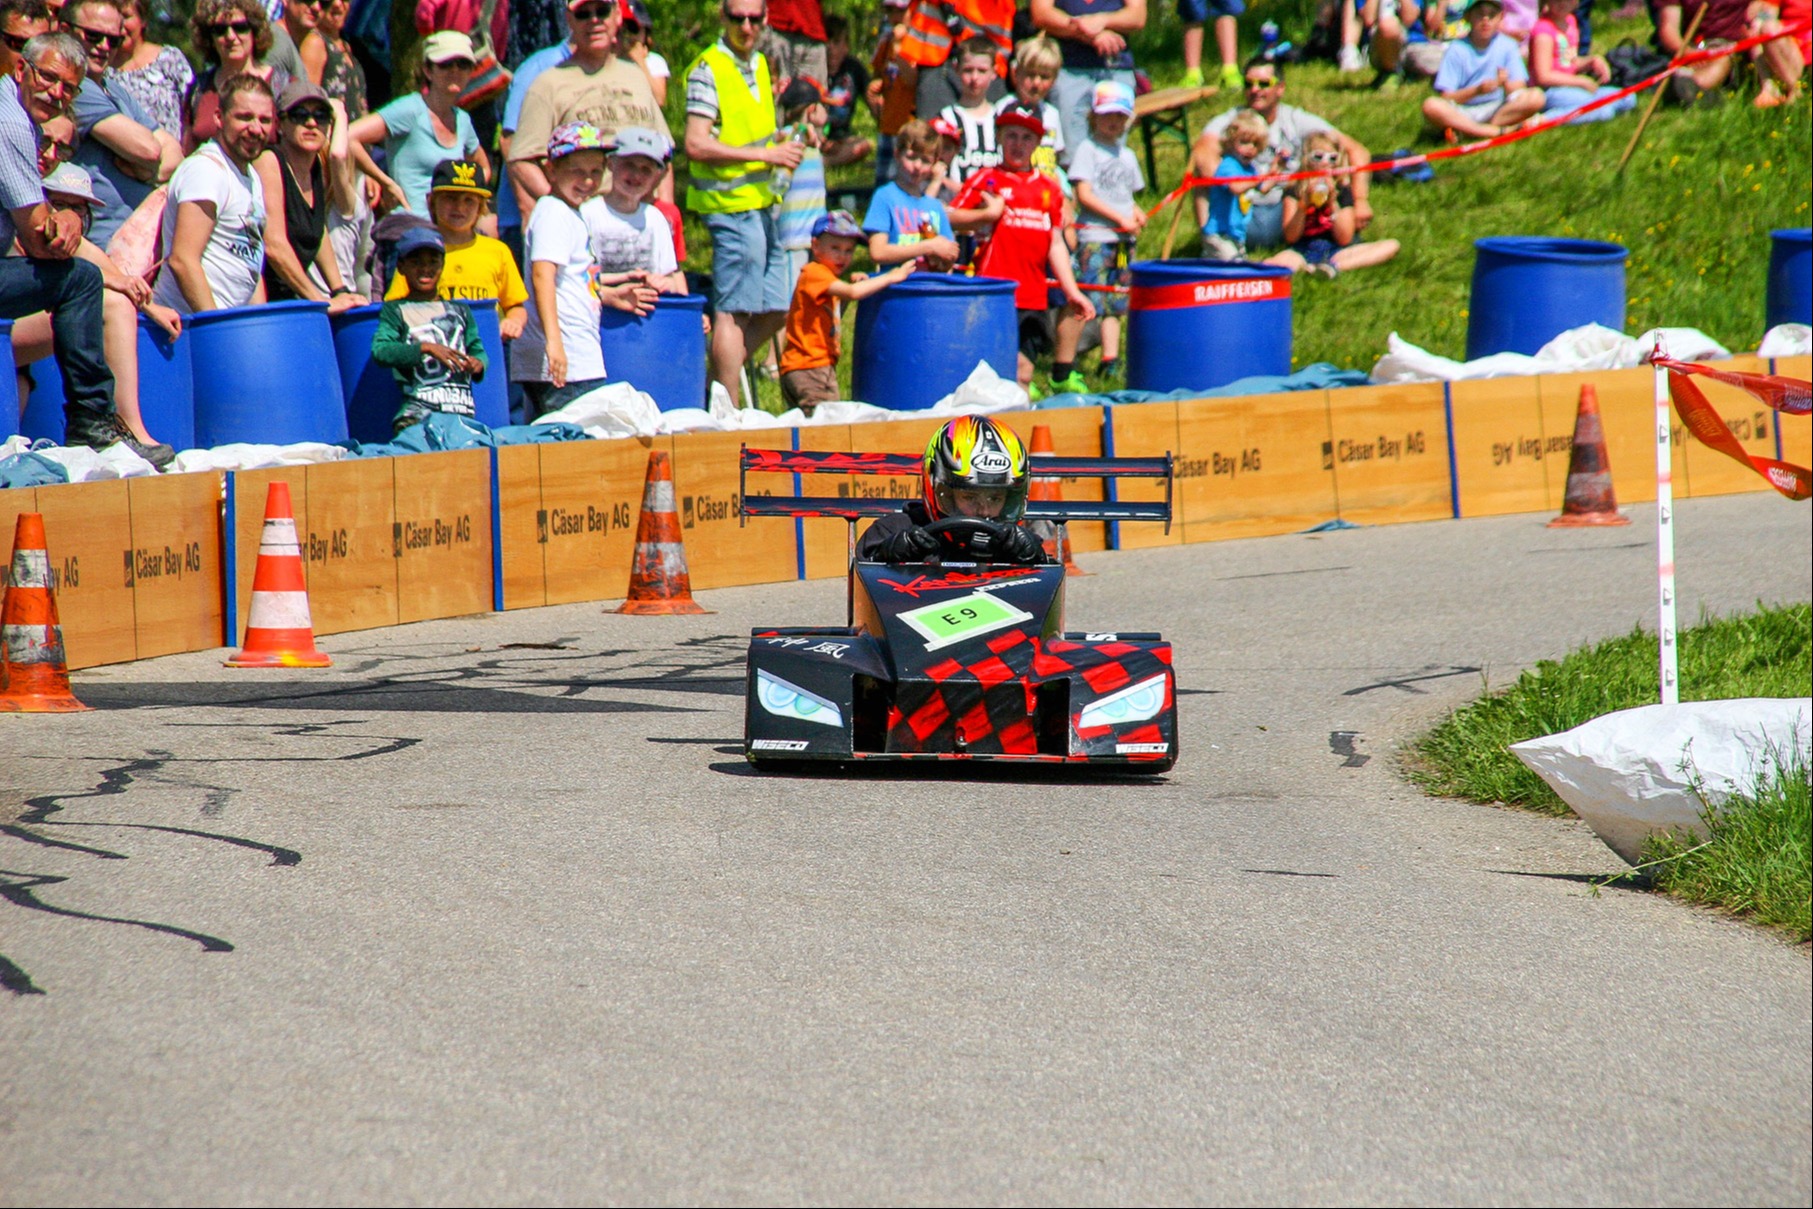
(1268, 36)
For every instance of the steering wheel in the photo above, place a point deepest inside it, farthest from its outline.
(961, 531)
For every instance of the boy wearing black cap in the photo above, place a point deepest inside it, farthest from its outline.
(476, 266)
(432, 346)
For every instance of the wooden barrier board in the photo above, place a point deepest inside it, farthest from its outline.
(827, 541)
(1501, 455)
(722, 552)
(1388, 449)
(519, 505)
(1627, 413)
(585, 524)
(442, 534)
(1147, 430)
(176, 569)
(1796, 431)
(345, 518)
(88, 530)
(1250, 467)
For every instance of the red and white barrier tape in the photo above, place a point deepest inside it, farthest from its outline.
(1788, 395)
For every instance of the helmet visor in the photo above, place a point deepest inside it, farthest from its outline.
(984, 503)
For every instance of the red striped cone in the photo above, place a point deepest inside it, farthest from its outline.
(279, 632)
(1589, 499)
(1054, 534)
(34, 675)
(659, 583)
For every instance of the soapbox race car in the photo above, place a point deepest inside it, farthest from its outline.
(957, 659)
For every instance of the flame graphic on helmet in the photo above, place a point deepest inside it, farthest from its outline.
(975, 451)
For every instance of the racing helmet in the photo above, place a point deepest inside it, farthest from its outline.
(975, 467)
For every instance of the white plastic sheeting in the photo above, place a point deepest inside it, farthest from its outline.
(1786, 340)
(1580, 349)
(84, 464)
(1639, 771)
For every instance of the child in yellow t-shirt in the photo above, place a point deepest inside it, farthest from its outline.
(809, 363)
(477, 266)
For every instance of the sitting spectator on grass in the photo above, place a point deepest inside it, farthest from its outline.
(809, 363)
(1784, 60)
(1230, 205)
(430, 344)
(1289, 125)
(905, 222)
(1482, 85)
(1318, 217)
(474, 267)
(1428, 28)
(1568, 78)
(1722, 22)
(214, 216)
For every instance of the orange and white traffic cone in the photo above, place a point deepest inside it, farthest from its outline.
(1056, 534)
(659, 583)
(1589, 499)
(34, 675)
(279, 632)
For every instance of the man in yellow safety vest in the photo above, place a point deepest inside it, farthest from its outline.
(734, 148)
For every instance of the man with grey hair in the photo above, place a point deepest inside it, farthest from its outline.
(49, 277)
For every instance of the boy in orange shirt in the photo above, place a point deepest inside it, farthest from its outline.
(809, 364)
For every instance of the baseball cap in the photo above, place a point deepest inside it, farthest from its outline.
(635, 12)
(640, 140)
(837, 222)
(569, 137)
(1023, 116)
(458, 176)
(417, 238)
(446, 45)
(296, 92)
(71, 180)
(1112, 96)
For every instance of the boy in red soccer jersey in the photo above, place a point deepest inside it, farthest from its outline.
(1026, 244)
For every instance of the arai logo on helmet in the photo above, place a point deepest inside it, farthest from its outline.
(991, 461)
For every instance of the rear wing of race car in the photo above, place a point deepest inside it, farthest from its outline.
(854, 507)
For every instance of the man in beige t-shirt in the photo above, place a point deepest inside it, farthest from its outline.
(594, 86)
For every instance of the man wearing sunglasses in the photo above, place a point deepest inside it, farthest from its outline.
(125, 152)
(1264, 94)
(49, 277)
(594, 85)
(20, 22)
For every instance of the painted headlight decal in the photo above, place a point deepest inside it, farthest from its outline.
(785, 700)
(1135, 703)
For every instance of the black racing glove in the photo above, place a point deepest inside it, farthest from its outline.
(1020, 545)
(913, 545)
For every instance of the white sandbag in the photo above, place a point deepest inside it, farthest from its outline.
(615, 409)
(1786, 340)
(1632, 773)
(242, 456)
(86, 465)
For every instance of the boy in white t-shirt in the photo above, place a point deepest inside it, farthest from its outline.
(559, 357)
(214, 217)
(628, 233)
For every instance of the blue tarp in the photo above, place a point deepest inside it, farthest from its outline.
(1320, 376)
(31, 470)
(441, 431)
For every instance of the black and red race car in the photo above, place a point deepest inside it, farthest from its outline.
(957, 659)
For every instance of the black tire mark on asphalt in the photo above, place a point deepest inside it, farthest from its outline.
(1288, 873)
(1408, 683)
(20, 895)
(1276, 574)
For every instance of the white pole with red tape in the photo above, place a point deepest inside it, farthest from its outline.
(1665, 542)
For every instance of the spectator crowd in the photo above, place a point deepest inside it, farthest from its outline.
(529, 160)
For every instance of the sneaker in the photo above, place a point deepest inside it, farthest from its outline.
(1033, 392)
(1191, 78)
(1326, 269)
(99, 432)
(1075, 384)
(1231, 78)
(1388, 81)
(1349, 60)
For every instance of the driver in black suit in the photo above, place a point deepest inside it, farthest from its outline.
(975, 471)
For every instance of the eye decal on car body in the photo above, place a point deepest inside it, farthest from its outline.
(1135, 703)
(785, 700)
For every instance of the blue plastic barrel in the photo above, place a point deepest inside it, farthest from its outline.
(917, 340)
(1199, 324)
(370, 391)
(1528, 290)
(661, 353)
(1790, 296)
(44, 419)
(166, 386)
(9, 383)
(265, 375)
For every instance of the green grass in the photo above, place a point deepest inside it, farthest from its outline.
(1758, 861)
(1768, 653)
(1695, 206)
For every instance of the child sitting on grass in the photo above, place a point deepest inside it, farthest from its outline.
(1224, 235)
(628, 232)
(560, 356)
(430, 344)
(476, 267)
(1107, 175)
(809, 364)
(1319, 228)
(904, 222)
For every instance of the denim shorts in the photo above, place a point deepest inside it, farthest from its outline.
(1198, 11)
(748, 265)
(1095, 265)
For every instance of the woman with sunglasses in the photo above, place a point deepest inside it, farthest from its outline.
(426, 127)
(306, 177)
(156, 76)
(234, 37)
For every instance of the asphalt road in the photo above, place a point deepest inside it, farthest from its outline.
(493, 911)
